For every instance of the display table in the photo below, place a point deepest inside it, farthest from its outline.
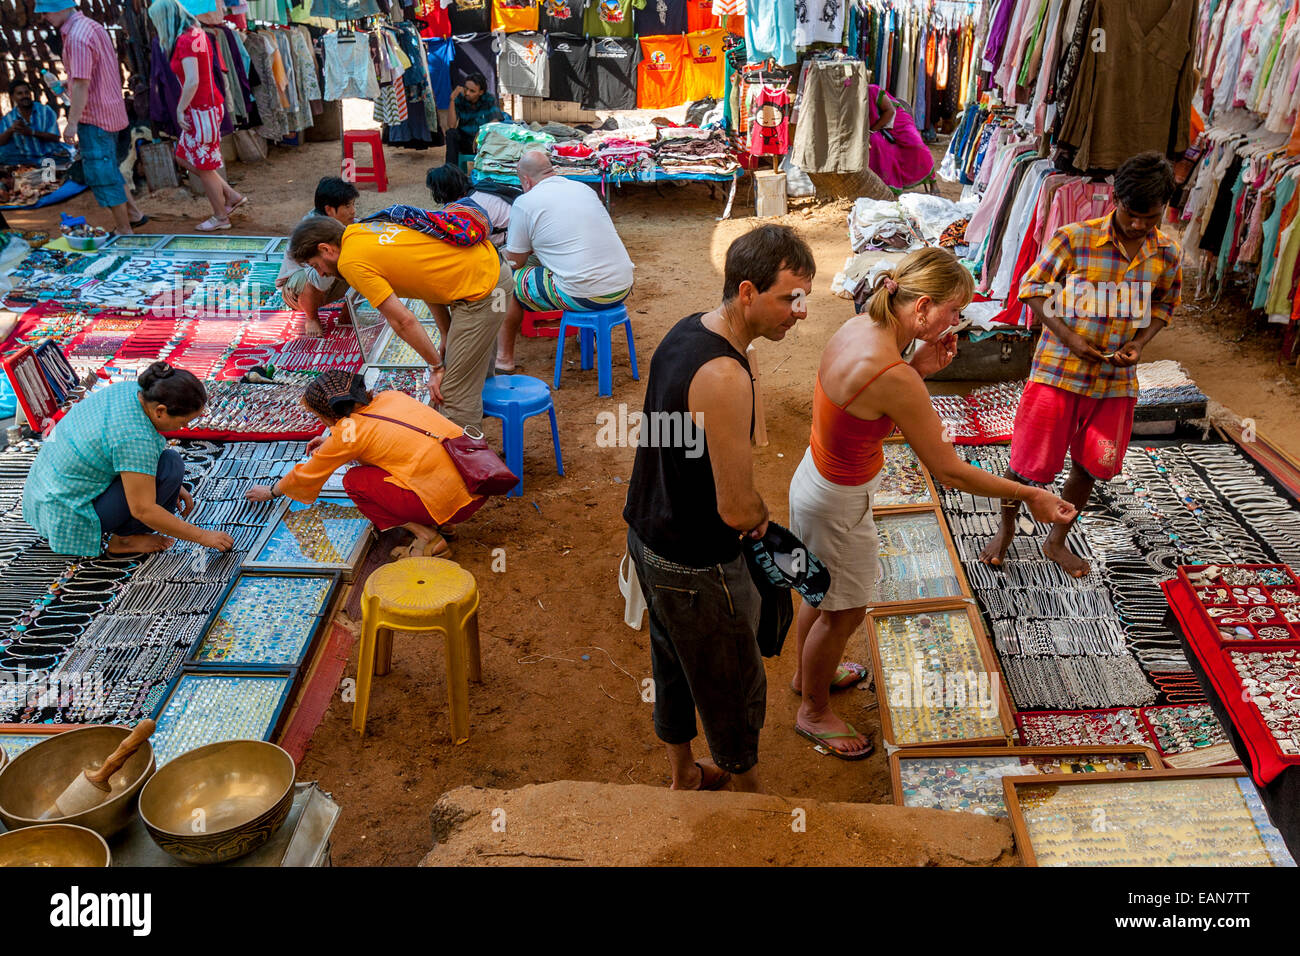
(1280, 791)
(654, 178)
(304, 840)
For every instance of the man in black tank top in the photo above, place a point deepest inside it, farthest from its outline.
(692, 500)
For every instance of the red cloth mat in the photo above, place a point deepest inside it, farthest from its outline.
(318, 691)
(1266, 760)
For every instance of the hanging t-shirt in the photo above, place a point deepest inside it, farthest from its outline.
(567, 62)
(818, 21)
(661, 77)
(513, 16)
(610, 18)
(561, 16)
(611, 66)
(521, 65)
(440, 53)
(475, 54)
(769, 31)
(701, 15)
(769, 132)
(661, 18)
(432, 19)
(706, 65)
(469, 16)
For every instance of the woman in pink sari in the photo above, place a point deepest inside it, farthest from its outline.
(897, 154)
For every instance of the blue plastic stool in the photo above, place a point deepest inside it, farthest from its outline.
(591, 325)
(513, 398)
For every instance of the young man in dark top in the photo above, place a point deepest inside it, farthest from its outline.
(692, 500)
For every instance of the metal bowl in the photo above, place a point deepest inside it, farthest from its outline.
(54, 844)
(33, 780)
(219, 802)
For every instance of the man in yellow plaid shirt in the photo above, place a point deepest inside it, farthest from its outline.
(1102, 290)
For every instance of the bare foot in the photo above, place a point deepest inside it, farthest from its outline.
(702, 776)
(1070, 562)
(313, 329)
(828, 722)
(139, 543)
(995, 552)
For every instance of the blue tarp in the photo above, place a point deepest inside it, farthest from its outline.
(62, 194)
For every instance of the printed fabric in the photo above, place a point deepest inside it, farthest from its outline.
(463, 223)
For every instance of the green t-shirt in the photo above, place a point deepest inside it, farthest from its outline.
(610, 18)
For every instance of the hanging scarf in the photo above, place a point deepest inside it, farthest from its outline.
(462, 223)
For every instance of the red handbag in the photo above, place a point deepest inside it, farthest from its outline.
(481, 468)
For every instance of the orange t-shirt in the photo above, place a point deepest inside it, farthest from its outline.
(700, 16)
(661, 77)
(512, 16)
(706, 65)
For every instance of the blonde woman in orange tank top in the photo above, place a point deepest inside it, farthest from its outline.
(864, 389)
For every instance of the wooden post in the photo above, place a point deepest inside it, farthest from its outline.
(760, 421)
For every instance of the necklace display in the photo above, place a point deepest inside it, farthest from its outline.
(1150, 822)
(914, 559)
(323, 533)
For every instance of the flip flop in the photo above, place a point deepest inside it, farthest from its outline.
(242, 202)
(212, 224)
(847, 674)
(139, 222)
(819, 740)
(718, 784)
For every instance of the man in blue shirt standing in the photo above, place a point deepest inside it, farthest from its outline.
(29, 133)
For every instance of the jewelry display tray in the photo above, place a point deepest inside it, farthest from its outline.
(313, 626)
(1099, 821)
(1207, 604)
(987, 658)
(271, 717)
(1006, 755)
(347, 566)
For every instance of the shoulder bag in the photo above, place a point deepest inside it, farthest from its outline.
(481, 468)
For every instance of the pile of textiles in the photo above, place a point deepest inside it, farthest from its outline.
(574, 159)
(625, 158)
(500, 146)
(683, 149)
(933, 215)
(1166, 382)
(878, 224)
(640, 133)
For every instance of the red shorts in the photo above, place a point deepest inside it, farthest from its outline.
(1052, 421)
(390, 506)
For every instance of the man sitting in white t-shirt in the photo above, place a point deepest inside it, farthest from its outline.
(564, 248)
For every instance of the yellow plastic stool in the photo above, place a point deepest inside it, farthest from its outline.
(421, 594)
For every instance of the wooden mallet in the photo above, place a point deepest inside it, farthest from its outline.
(91, 788)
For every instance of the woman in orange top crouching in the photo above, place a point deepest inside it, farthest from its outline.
(405, 478)
(864, 389)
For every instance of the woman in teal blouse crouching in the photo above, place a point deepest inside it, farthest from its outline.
(106, 470)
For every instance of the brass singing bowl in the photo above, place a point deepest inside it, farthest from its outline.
(54, 844)
(219, 802)
(33, 780)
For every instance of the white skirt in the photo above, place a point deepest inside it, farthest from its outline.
(835, 522)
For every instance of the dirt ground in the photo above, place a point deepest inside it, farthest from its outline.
(561, 695)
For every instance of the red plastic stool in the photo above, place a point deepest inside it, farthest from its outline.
(376, 172)
(538, 325)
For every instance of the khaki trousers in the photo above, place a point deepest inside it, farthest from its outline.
(472, 350)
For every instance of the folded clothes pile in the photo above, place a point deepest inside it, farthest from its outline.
(625, 158)
(687, 150)
(574, 159)
(500, 146)
(879, 224)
